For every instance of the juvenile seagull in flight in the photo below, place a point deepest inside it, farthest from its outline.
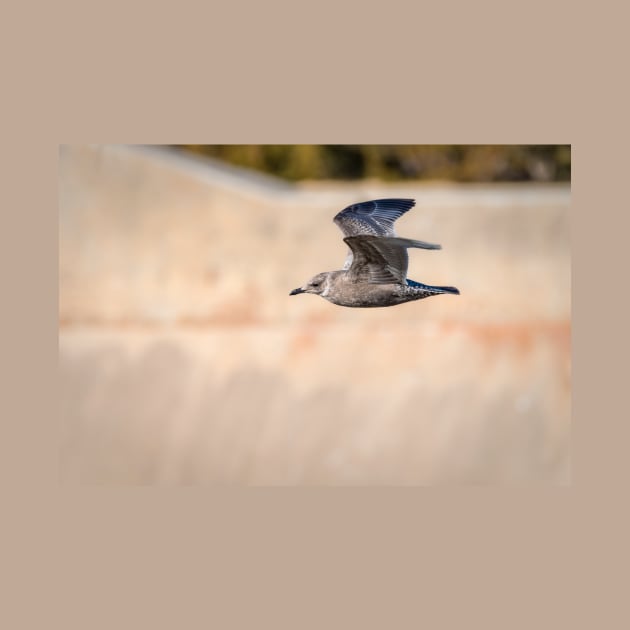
(375, 271)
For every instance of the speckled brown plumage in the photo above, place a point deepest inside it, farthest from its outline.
(375, 271)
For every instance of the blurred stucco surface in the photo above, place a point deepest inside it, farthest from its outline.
(183, 360)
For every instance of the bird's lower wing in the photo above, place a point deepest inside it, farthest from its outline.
(377, 260)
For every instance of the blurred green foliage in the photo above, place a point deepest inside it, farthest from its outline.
(461, 163)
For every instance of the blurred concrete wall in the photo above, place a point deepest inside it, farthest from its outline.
(184, 360)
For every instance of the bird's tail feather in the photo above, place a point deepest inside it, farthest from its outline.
(428, 287)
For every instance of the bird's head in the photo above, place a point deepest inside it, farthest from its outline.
(317, 284)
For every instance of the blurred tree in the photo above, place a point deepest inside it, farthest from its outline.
(465, 163)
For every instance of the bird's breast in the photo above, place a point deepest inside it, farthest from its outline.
(362, 295)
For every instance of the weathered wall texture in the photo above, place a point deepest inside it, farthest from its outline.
(184, 360)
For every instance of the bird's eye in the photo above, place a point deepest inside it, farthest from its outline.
(315, 284)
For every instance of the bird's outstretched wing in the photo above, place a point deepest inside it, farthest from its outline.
(379, 259)
(375, 218)
(372, 217)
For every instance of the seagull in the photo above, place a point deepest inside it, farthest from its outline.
(375, 271)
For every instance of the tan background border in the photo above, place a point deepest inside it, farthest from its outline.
(280, 72)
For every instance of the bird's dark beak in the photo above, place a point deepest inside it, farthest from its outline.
(296, 291)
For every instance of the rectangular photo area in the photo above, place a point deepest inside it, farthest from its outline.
(315, 315)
